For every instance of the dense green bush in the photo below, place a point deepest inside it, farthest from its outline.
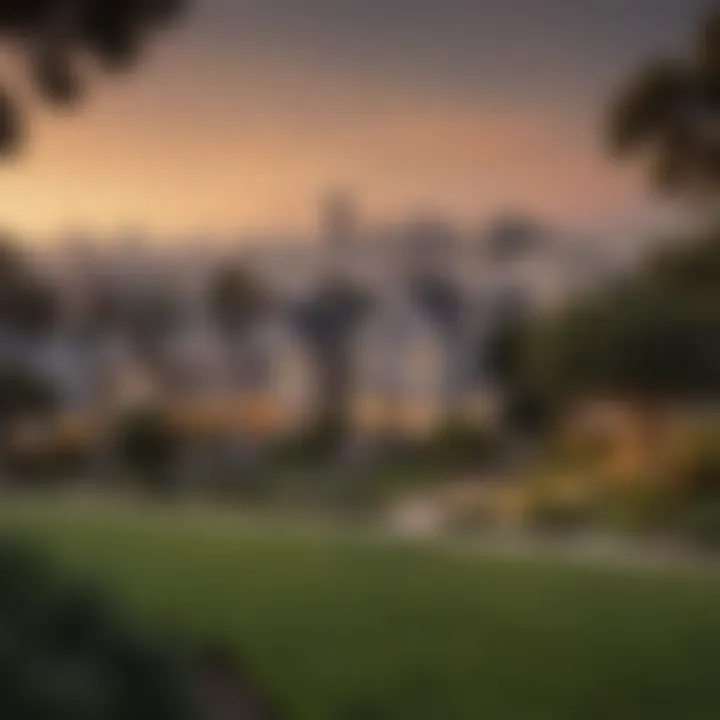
(553, 517)
(464, 443)
(148, 447)
(700, 523)
(639, 508)
(47, 467)
(319, 442)
(66, 653)
(701, 471)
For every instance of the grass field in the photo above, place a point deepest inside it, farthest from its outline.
(340, 627)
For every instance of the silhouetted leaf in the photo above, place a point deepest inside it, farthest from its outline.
(670, 115)
(648, 106)
(10, 126)
(114, 32)
(57, 79)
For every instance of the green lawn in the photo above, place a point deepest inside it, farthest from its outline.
(338, 627)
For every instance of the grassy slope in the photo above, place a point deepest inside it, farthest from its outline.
(340, 628)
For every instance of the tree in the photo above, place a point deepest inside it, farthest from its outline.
(328, 320)
(641, 345)
(642, 342)
(149, 446)
(50, 38)
(148, 319)
(29, 308)
(440, 299)
(659, 339)
(63, 652)
(669, 115)
(106, 310)
(506, 356)
(25, 397)
(236, 300)
(688, 267)
(23, 394)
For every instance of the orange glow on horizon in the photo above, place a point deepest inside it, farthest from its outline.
(250, 147)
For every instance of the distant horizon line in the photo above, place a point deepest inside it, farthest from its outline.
(657, 220)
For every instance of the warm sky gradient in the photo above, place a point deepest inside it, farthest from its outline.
(241, 118)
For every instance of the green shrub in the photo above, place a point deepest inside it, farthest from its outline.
(464, 443)
(701, 471)
(66, 653)
(639, 508)
(700, 523)
(318, 442)
(149, 447)
(557, 518)
(553, 515)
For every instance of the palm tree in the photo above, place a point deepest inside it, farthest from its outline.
(50, 38)
(236, 299)
(440, 299)
(669, 115)
(328, 320)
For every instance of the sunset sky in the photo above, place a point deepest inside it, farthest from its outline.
(243, 116)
